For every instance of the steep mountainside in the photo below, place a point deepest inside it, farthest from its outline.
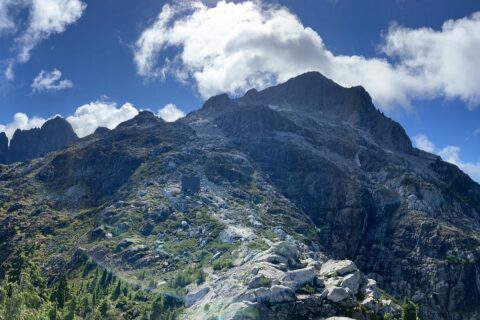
(33, 143)
(3, 148)
(291, 177)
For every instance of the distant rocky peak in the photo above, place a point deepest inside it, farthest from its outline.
(221, 101)
(101, 130)
(28, 144)
(3, 148)
(144, 118)
(56, 123)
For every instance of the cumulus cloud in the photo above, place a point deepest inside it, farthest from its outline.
(90, 116)
(445, 59)
(422, 142)
(23, 122)
(170, 113)
(450, 154)
(233, 46)
(86, 119)
(32, 21)
(50, 81)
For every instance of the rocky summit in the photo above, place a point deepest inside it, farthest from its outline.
(312, 205)
(25, 145)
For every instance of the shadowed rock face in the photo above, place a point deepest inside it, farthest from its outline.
(29, 144)
(94, 168)
(3, 148)
(313, 93)
(408, 218)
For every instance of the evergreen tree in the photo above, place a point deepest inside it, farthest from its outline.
(409, 310)
(52, 313)
(71, 308)
(61, 293)
(103, 279)
(116, 293)
(104, 307)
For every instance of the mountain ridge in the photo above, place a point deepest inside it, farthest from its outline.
(285, 192)
(25, 145)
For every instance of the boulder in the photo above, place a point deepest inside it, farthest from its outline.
(125, 243)
(337, 294)
(370, 303)
(275, 295)
(352, 281)
(98, 232)
(297, 278)
(192, 298)
(337, 268)
(259, 281)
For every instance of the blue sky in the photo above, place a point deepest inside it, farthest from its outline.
(109, 58)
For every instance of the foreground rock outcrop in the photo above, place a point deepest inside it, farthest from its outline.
(288, 281)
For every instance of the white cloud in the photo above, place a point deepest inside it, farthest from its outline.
(90, 116)
(170, 113)
(446, 60)
(234, 46)
(23, 122)
(422, 142)
(6, 21)
(50, 81)
(47, 17)
(32, 21)
(450, 154)
(86, 119)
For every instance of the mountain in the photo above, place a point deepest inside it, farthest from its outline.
(3, 148)
(29, 144)
(313, 204)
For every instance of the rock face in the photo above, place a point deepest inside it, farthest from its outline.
(30, 144)
(3, 148)
(398, 212)
(297, 290)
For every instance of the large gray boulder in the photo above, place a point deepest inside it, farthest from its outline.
(337, 294)
(337, 268)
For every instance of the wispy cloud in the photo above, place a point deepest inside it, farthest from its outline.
(29, 22)
(50, 81)
(233, 46)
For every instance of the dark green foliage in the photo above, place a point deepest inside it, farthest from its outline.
(223, 263)
(116, 293)
(61, 292)
(96, 294)
(182, 279)
(161, 309)
(409, 310)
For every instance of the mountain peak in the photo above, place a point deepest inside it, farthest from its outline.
(3, 148)
(143, 118)
(28, 144)
(218, 101)
(311, 78)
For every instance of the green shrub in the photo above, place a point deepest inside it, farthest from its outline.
(223, 263)
(409, 310)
